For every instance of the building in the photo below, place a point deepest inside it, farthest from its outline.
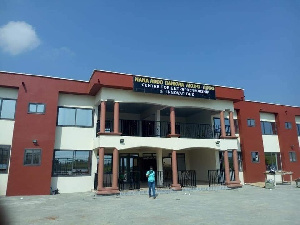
(104, 133)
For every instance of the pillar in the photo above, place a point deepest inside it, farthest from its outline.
(222, 123)
(100, 169)
(231, 121)
(102, 117)
(175, 185)
(236, 165)
(159, 170)
(116, 117)
(226, 165)
(172, 120)
(115, 165)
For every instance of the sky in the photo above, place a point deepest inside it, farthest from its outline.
(254, 45)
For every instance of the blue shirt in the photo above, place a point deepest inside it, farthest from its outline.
(151, 175)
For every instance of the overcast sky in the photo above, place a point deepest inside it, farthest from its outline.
(252, 44)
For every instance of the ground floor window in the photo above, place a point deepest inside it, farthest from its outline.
(255, 157)
(292, 156)
(4, 158)
(272, 161)
(71, 163)
(32, 157)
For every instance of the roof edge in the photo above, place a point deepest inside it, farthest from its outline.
(272, 103)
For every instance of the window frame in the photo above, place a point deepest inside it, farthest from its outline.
(298, 128)
(249, 124)
(40, 157)
(257, 155)
(263, 129)
(75, 117)
(74, 175)
(292, 159)
(36, 104)
(1, 104)
(278, 164)
(288, 125)
(8, 159)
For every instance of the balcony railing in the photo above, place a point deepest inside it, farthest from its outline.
(147, 128)
(217, 177)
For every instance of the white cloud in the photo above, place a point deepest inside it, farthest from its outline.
(18, 37)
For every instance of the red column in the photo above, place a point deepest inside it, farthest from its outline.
(116, 117)
(102, 117)
(172, 120)
(115, 188)
(236, 165)
(226, 164)
(175, 185)
(100, 169)
(232, 128)
(222, 122)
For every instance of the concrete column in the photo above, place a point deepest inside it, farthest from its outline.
(115, 188)
(116, 117)
(159, 164)
(100, 169)
(157, 123)
(226, 165)
(102, 117)
(236, 165)
(232, 128)
(172, 120)
(175, 185)
(222, 123)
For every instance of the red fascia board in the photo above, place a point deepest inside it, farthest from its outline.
(225, 93)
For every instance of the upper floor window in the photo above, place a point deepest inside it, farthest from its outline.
(292, 156)
(4, 158)
(236, 126)
(38, 108)
(72, 163)
(298, 129)
(288, 125)
(251, 122)
(268, 127)
(7, 109)
(80, 117)
(32, 157)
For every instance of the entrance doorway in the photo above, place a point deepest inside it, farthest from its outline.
(129, 171)
(148, 159)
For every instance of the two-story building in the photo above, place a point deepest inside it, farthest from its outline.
(105, 133)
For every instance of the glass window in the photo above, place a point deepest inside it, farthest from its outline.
(108, 159)
(4, 158)
(292, 156)
(272, 161)
(32, 157)
(288, 125)
(240, 159)
(268, 128)
(181, 162)
(38, 108)
(251, 122)
(217, 127)
(71, 163)
(298, 129)
(255, 157)
(75, 117)
(7, 108)
(236, 126)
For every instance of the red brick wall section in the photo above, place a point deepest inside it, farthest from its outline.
(35, 180)
(251, 138)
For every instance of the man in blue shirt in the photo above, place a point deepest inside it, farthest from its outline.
(151, 182)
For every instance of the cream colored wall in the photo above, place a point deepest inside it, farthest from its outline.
(270, 117)
(297, 119)
(241, 176)
(6, 137)
(131, 96)
(164, 143)
(271, 143)
(76, 138)
(202, 160)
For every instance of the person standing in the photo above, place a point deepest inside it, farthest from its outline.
(151, 182)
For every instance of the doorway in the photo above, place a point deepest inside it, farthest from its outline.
(148, 159)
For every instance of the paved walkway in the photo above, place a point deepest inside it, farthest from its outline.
(247, 205)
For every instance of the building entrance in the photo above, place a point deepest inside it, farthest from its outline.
(148, 159)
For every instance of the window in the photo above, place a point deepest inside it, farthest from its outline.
(298, 129)
(32, 157)
(288, 125)
(292, 156)
(255, 157)
(75, 117)
(71, 163)
(272, 161)
(217, 127)
(240, 159)
(108, 161)
(251, 122)
(37, 108)
(268, 128)
(236, 126)
(7, 109)
(4, 158)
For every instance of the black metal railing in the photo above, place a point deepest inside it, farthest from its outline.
(163, 178)
(107, 180)
(187, 178)
(130, 181)
(217, 177)
(217, 131)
